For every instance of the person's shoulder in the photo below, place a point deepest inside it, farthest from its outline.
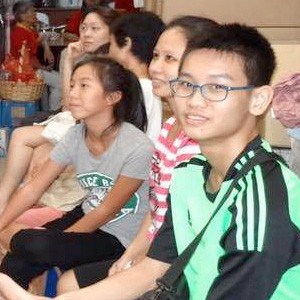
(132, 132)
(145, 82)
(268, 168)
(19, 30)
(134, 136)
(75, 132)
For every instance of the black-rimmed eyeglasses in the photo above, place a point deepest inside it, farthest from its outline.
(210, 91)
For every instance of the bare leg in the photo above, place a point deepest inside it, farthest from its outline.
(67, 283)
(9, 232)
(40, 155)
(9, 290)
(20, 151)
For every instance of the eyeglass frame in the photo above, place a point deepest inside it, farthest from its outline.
(200, 87)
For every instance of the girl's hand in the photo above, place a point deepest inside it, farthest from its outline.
(123, 263)
(126, 261)
(74, 50)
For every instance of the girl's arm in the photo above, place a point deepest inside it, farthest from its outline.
(126, 285)
(26, 196)
(117, 197)
(118, 287)
(48, 55)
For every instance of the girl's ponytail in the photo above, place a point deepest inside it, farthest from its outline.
(132, 107)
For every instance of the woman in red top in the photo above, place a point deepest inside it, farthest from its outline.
(24, 32)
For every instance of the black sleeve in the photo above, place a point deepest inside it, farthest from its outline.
(163, 247)
(246, 275)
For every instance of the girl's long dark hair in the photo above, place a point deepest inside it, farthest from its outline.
(114, 77)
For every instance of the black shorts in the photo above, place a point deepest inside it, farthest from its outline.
(91, 273)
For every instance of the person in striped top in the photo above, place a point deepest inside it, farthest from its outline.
(172, 146)
(169, 152)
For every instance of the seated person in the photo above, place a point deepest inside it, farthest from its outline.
(251, 249)
(171, 148)
(94, 38)
(38, 140)
(133, 37)
(24, 31)
(75, 18)
(108, 100)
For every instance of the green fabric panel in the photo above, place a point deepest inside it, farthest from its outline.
(186, 190)
(287, 287)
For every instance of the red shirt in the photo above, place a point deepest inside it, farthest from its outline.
(74, 22)
(19, 35)
(125, 4)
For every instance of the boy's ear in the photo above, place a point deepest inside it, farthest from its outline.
(128, 43)
(261, 99)
(114, 97)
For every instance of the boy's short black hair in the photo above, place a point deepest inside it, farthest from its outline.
(143, 28)
(245, 41)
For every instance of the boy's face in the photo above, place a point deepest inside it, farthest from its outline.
(206, 121)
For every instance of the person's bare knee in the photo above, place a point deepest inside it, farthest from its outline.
(39, 157)
(8, 233)
(67, 283)
(30, 136)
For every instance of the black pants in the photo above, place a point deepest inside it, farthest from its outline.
(89, 274)
(34, 251)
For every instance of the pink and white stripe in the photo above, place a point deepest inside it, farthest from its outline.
(166, 157)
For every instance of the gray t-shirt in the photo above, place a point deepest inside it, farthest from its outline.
(129, 155)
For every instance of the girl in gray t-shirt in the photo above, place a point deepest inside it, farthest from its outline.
(111, 156)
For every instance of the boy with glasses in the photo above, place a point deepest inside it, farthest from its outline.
(251, 248)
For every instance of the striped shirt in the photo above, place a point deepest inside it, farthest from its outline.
(168, 154)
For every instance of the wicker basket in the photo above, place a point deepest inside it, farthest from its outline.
(20, 91)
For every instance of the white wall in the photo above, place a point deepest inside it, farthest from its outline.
(278, 19)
